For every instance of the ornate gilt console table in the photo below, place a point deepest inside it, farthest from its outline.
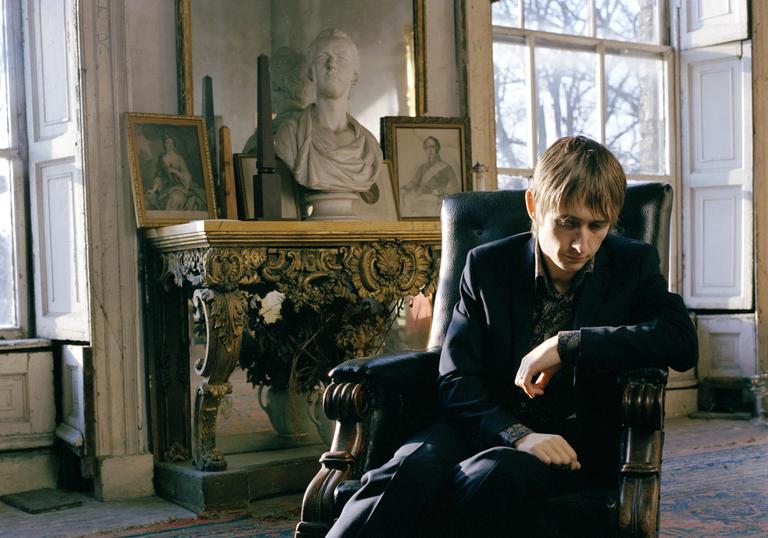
(220, 263)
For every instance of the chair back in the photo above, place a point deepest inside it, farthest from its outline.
(470, 219)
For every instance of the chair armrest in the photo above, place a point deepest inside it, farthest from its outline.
(642, 398)
(403, 371)
(400, 392)
(376, 402)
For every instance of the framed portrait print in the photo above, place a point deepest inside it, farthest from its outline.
(170, 169)
(378, 203)
(431, 158)
(285, 203)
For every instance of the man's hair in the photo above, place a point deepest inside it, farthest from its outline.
(433, 139)
(329, 34)
(576, 169)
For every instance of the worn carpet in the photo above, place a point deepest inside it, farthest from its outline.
(717, 493)
(226, 526)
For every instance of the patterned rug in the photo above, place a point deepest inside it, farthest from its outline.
(718, 493)
(711, 494)
(226, 526)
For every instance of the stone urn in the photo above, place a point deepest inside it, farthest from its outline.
(287, 411)
(295, 414)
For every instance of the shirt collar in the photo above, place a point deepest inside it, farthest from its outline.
(543, 279)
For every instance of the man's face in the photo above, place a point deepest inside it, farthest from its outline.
(430, 147)
(569, 238)
(334, 69)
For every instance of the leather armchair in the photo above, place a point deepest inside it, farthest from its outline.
(379, 401)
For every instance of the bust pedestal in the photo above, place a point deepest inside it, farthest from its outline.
(332, 205)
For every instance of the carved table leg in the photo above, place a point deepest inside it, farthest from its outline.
(223, 314)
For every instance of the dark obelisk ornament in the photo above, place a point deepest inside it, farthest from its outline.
(266, 182)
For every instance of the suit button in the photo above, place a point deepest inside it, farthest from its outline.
(523, 405)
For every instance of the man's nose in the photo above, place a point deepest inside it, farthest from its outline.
(577, 243)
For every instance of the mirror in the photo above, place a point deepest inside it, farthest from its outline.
(223, 38)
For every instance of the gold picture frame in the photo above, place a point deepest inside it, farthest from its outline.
(431, 157)
(170, 169)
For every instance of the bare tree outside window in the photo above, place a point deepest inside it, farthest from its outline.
(567, 96)
(618, 44)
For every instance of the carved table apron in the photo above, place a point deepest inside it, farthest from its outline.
(220, 260)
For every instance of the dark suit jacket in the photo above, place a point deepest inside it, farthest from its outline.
(625, 315)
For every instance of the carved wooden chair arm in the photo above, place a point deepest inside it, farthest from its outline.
(642, 407)
(371, 399)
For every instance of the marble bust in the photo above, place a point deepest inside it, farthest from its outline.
(324, 146)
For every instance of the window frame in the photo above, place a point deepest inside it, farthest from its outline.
(600, 46)
(18, 154)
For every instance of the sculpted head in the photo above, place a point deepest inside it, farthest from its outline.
(334, 63)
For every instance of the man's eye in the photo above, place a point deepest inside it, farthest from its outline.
(598, 225)
(568, 224)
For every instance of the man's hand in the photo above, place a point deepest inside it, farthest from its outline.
(542, 361)
(549, 449)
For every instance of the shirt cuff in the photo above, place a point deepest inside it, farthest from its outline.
(568, 346)
(511, 434)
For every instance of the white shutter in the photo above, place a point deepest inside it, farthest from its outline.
(709, 22)
(55, 169)
(717, 177)
(727, 346)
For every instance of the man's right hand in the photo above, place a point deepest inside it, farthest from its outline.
(549, 449)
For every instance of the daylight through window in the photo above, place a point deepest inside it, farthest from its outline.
(599, 68)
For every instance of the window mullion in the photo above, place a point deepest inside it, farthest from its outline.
(532, 101)
(592, 19)
(600, 83)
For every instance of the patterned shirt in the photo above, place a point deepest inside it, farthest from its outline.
(553, 313)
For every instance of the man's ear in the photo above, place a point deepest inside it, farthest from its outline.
(530, 205)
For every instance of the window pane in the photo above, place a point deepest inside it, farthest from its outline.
(7, 254)
(635, 128)
(504, 13)
(5, 138)
(567, 95)
(506, 182)
(627, 20)
(512, 122)
(560, 16)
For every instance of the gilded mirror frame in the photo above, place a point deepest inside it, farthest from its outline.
(184, 57)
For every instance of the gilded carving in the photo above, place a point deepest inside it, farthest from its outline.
(228, 267)
(222, 313)
(206, 456)
(388, 270)
(339, 302)
(224, 268)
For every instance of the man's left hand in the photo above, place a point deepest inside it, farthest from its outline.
(542, 362)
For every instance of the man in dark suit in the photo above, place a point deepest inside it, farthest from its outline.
(545, 321)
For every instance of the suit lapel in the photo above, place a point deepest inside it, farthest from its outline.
(521, 299)
(592, 291)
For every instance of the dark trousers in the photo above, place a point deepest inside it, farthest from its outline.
(437, 485)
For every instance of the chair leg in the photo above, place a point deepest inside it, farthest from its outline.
(639, 496)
